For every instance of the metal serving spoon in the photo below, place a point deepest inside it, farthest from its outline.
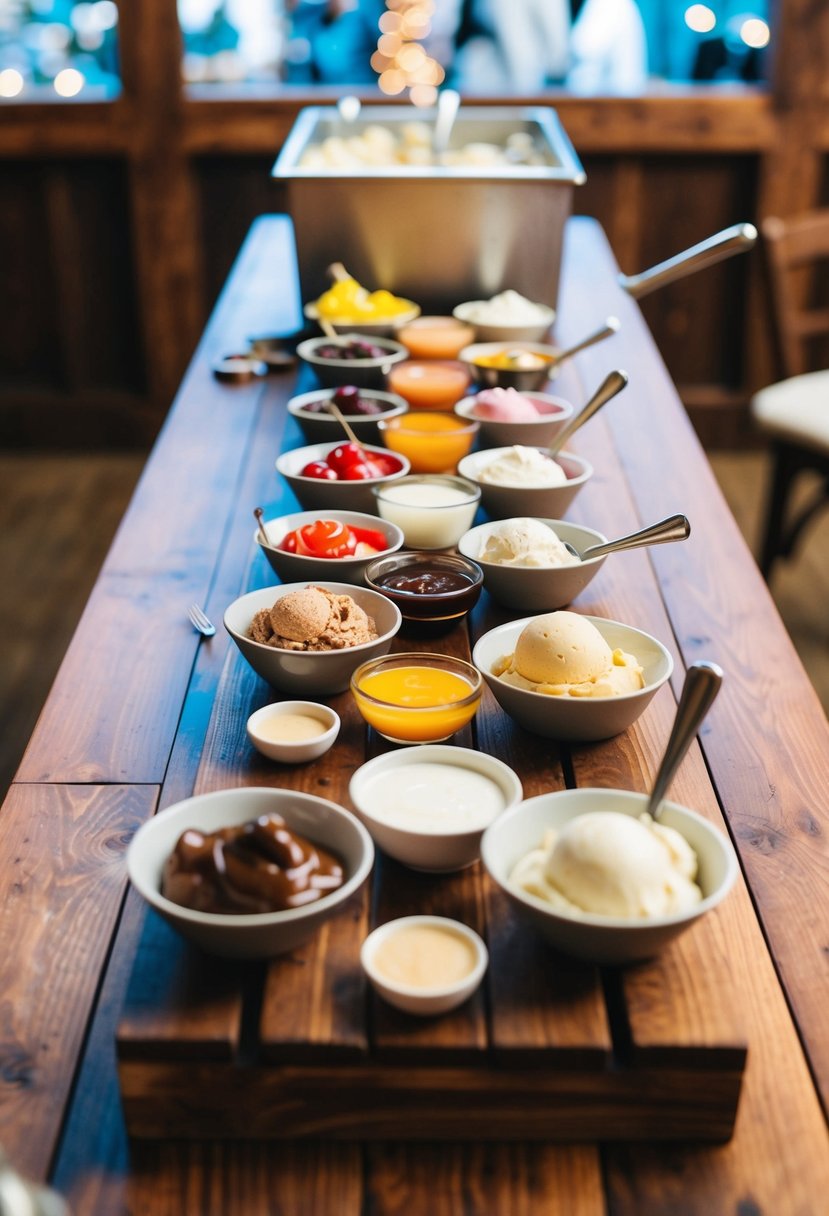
(449, 101)
(702, 683)
(675, 527)
(612, 384)
(611, 326)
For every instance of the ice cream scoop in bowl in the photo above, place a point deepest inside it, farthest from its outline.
(597, 879)
(538, 565)
(572, 677)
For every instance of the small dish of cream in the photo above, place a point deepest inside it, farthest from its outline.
(424, 965)
(293, 732)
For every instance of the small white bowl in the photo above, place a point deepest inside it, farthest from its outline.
(310, 673)
(529, 331)
(536, 588)
(375, 329)
(575, 719)
(264, 934)
(293, 751)
(543, 502)
(535, 433)
(323, 427)
(424, 1002)
(293, 567)
(364, 373)
(604, 939)
(432, 844)
(314, 494)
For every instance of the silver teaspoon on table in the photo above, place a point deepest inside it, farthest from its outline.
(702, 683)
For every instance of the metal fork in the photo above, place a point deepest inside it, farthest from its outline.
(200, 621)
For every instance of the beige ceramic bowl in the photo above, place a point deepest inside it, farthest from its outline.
(310, 673)
(293, 751)
(536, 588)
(294, 567)
(535, 331)
(323, 427)
(411, 833)
(314, 494)
(543, 502)
(423, 1002)
(373, 329)
(604, 939)
(538, 433)
(526, 379)
(263, 934)
(368, 372)
(575, 719)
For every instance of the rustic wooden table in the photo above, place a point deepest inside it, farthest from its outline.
(143, 713)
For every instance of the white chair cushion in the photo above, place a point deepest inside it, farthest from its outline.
(796, 410)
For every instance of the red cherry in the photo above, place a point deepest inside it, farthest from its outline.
(320, 470)
(385, 465)
(358, 472)
(343, 456)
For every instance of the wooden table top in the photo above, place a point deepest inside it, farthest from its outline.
(143, 713)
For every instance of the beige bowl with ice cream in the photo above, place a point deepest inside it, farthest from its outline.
(644, 886)
(525, 480)
(507, 416)
(525, 563)
(319, 672)
(577, 651)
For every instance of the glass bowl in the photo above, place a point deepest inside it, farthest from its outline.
(431, 590)
(417, 697)
(432, 443)
(432, 510)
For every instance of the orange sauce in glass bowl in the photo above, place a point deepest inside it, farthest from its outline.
(435, 337)
(432, 443)
(429, 384)
(407, 701)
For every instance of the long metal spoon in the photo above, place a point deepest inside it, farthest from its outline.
(263, 532)
(702, 683)
(449, 101)
(611, 326)
(675, 527)
(612, 384)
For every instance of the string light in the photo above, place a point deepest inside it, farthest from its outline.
(401, 62)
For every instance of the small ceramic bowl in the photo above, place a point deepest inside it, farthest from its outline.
(439, 997)
(303, 672)
(429, 806)
(373, 329)
(430, 589)
(294, 567)
(315, 494)
(575, 719)
(264, 934)
(263, 730)
(433, 510)
(542, 502)
(604, 939)
(368, 371)
(538, 433)
(417, 697)
(322, 427)
(432, 443)
(536, 588)
(529, 331)
(526, 379)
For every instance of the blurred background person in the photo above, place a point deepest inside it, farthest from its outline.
(608, 48)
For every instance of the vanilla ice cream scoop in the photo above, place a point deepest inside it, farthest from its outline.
(522, 466)
(563, 654)
(610, 864)
(526, 542)
(561, 648)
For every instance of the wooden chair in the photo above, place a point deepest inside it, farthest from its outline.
(794, 413)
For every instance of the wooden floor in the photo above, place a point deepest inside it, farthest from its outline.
(58, 515)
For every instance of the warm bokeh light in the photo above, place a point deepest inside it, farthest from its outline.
(69, 82)
(755, 33)
(11, 82)
(400, 59)
(700, 18)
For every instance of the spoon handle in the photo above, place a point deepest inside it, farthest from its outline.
(702, 683)
(610, 327)
(612, 384)
(675, 527)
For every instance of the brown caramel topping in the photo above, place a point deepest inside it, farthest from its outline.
(260, 866)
